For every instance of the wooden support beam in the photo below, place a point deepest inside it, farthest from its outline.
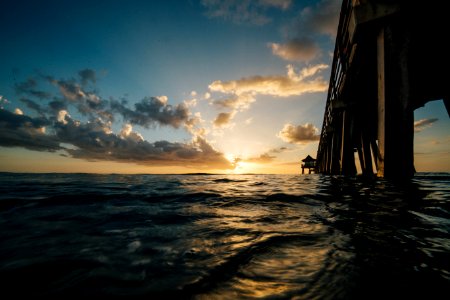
(336, 150)
(347, 155)
(375, 151)
(361, 159)
(329, 155)
(381, 102)
(365, 146)
(395, 112)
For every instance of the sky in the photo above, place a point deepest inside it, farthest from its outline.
(231, 86)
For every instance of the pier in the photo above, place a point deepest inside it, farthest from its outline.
(390, 58)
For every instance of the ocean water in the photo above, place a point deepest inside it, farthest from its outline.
(224, 236)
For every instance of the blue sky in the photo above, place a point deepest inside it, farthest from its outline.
(172, 86)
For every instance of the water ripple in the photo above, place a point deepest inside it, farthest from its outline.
(217, 236)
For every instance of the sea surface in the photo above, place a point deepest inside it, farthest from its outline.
(224, 236)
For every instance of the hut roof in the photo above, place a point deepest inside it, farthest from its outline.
(308, 158)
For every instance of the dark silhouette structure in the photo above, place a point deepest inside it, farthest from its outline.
(390, 58)
(308, 163)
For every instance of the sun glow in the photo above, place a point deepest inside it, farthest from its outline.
(240, 166)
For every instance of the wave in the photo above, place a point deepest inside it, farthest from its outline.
(206, 236)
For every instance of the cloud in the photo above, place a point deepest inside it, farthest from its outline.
(278, 150)
(128, 133)
(242, 92)
(95, 141)
(281, 4)
(87, 75)
(262, 159)
(3, 101)
(236, 102)
(223, 119)
(148, 112)
(253, 12)
(69, 93)
(299, 49)
(323, 18)
(423, 124)
(93, 138)
(18, 130)
(29, 88)
(32, 105)
(303, 32)
(291, 84)
(266, 157)
(70, 90)
(151, 111)
(300, 134)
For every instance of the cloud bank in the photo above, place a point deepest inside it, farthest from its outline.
(241, 93)
(292, 84)
(52, 127)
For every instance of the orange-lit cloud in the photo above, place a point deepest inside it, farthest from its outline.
(261, 159)
(266, 157)
(423, 123)
(292, 84)
(223, 119)
(237, 102)
(299, 134)
(299, 49)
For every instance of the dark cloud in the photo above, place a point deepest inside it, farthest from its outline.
(152, 111)
(22, 131)
(57, 105)
(71, 90)
(299, 134)
(29, 88)
(423, 123)
(93, 139)
(88, 103)
(12, 120)
(33, 105)
(87, 75)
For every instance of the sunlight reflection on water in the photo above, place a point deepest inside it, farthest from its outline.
(224, 236)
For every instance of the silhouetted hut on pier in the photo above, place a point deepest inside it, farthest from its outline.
(308, 163)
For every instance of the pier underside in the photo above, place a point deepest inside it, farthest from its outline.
(389, 59)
